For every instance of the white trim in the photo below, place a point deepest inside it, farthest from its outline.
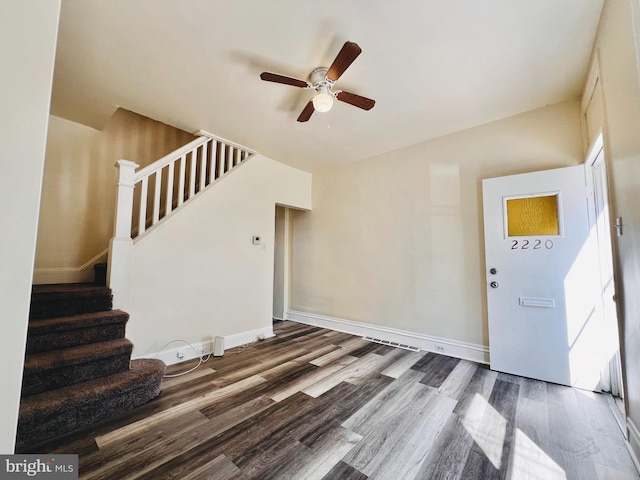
(286, 280)
(445, 346)
(83, 273)
(204, 133)
(593, 77)
(170, 356)
(242, 338)
(633, 445)
(281, 291)
(590, 85)
(594, 150)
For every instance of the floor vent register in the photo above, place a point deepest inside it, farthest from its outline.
(392, 344)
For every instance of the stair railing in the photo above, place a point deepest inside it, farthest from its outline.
(146, 197)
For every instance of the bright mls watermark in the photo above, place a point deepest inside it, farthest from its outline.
(51, 467)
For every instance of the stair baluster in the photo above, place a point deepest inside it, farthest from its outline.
(209, 158)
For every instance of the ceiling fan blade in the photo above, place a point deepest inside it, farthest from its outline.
(356, 100)
(346, 56)
(306, 113)
(274, 77)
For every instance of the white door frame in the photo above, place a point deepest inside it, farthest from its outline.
(281, 271)
(612, 378)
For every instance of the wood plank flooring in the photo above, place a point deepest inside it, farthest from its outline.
(315, 404)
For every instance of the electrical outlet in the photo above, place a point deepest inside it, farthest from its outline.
(439, 348)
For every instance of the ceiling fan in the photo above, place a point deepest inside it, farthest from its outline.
(322, 80)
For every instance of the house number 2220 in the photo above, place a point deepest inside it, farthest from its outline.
(531, 244)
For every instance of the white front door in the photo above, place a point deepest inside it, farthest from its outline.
(542, 289)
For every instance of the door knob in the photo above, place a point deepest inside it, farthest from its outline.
(493, 271)
(494, 284)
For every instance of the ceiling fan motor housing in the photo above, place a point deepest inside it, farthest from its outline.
(319, 80)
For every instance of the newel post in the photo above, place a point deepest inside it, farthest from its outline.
(121, 245)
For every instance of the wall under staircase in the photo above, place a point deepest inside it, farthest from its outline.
(197, 275)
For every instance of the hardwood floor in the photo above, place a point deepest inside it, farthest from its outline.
(312, 403)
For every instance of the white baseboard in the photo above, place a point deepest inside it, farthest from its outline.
(242, 338)
(83, 273)
(170, 355)
(444, 346)
(633, 445)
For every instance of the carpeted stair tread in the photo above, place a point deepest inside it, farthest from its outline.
(48, 301)
(53, 290)
(71, 322)
(75, 355)
(68, 331)
(69, 366)
(55, 412)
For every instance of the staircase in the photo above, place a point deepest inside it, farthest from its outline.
(148, 196)
(78, 366)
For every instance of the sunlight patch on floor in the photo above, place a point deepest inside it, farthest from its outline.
(527, 462)
(530, 462)
(490, 435)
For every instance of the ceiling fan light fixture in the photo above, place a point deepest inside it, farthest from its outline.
(322, 80)
(323, 102)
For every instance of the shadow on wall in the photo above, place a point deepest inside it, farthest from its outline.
(78, 193)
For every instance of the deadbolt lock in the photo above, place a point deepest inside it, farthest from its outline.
(493, 284)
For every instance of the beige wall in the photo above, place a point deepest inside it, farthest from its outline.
(198, 275)
(78, 194)
(617, 53)
(396, 240)
(26, 65)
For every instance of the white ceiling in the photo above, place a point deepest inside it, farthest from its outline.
(433, 66)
